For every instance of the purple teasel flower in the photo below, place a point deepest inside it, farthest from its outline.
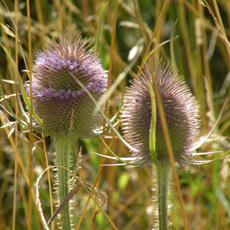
(56, 95)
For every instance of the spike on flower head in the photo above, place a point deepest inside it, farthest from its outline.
(181, 112)
(56, 96)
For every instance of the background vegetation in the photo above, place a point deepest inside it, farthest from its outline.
(202, 55)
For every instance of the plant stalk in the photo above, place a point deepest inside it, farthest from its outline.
(163, 172)
(63, 152)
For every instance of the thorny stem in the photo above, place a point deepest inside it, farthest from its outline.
(162, 176)
(63, 150)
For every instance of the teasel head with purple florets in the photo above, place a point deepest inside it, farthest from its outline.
(56, 95)
(181, 112)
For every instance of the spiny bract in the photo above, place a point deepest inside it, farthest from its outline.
(180, 108)
(55, 93)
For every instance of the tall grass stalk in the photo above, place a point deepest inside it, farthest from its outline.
(30, 116)
(17, 113)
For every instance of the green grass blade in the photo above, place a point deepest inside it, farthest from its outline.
(99, 27)
(172, 51)
(152, 134)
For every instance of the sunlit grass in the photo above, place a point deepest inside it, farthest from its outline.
(202, 57)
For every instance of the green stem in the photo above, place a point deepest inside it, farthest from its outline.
(163, 176)
(63, 151)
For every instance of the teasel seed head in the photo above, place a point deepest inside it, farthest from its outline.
(180, 109)
(57, 97)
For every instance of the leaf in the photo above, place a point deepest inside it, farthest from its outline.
(172, 52)
(8, 81)
(8, 31)
(129, 24)
(152, 134)
(134, 51)
(156, 48)
(99, 27)
(63, 203)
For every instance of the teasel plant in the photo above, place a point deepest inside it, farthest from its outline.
(61, 108)
(161, 122)
(140, 118)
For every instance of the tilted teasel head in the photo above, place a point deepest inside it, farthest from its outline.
(180, 109)
(57, 97)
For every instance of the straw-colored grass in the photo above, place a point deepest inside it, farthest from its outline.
(202, 55)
